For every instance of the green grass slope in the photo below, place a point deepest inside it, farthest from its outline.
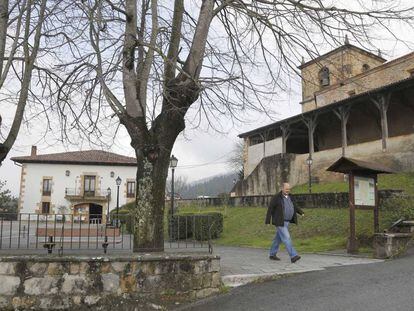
(319, 230)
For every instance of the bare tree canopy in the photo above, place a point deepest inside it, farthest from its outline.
(25, 72)
(180, 184)
(150, 62)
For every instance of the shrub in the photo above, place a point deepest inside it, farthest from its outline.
(180, 227)
(125, 218)
(398, 208)
(205, 223)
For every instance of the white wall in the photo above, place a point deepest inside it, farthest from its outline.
(31, 194)
(257, 152)
(273, 146)
(254, 156)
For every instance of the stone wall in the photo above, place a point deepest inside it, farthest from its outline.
(49, 283)
(268, 175)
(343, 63)
(259, 151)
(390, 72)
(314, 200)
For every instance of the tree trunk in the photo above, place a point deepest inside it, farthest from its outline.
(149, 212)
(152, 174)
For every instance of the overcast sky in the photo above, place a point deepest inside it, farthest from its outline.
(200, 153)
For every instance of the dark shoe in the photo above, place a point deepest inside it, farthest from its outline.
(274, 257)
(294, 259)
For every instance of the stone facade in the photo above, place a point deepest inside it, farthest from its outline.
(343, 63)
(393, 71)
(52, 283)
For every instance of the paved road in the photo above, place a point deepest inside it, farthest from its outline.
(380, 286)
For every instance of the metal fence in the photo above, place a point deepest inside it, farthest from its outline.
(87, 233)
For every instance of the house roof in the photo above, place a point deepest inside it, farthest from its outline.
(90, 157)
(401, 84)
(346, 165)
(342, 47)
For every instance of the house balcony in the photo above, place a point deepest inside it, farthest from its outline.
(76, 194)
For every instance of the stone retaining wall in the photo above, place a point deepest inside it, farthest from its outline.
(313, 200)
(49, 283)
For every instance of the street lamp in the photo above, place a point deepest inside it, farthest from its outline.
(173, 165)
(108, 195)
(118, 183)
(309, 162)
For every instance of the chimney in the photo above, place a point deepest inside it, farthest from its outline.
(34, 151)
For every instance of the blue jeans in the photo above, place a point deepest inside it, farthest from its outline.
(283, 236)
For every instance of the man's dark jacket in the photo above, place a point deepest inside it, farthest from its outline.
(276, 211)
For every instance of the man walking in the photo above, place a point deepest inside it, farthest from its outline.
(282, 212)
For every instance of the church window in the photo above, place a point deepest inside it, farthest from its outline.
(324, 79)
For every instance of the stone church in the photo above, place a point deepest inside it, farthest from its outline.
(354, 103)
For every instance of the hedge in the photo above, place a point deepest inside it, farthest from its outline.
(125, 219)
(182, 226)
(195, 226)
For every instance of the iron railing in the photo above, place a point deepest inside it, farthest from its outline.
(37, 233)
(86, 193)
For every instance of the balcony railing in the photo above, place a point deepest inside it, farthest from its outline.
(76, 192)
(46, 193)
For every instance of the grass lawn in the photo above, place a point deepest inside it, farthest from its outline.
(400, 181)
(319, 230)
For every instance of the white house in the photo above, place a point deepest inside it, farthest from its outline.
(80, 183)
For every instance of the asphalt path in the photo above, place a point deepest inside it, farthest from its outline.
(387, 285)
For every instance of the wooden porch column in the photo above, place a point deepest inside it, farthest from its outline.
(285, 135)
(263, 136)
(382, 102)
(311, 123)
(343, 114)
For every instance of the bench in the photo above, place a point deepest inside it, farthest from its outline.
(68, 233)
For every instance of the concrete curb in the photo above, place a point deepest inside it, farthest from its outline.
(236, 280)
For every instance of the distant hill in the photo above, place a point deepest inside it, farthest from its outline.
(209, 186)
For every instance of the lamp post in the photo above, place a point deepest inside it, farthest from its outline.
(309, 162)
(118, 183)
(173, 165)
(108, 195)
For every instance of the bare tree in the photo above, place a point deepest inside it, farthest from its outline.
(149, 61)
(235, 160)
(21, 30)
(180, 184)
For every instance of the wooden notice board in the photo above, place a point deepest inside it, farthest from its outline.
(363, 191)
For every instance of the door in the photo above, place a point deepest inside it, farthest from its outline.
(95, 213)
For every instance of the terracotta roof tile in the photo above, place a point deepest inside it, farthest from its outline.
(95, 157)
